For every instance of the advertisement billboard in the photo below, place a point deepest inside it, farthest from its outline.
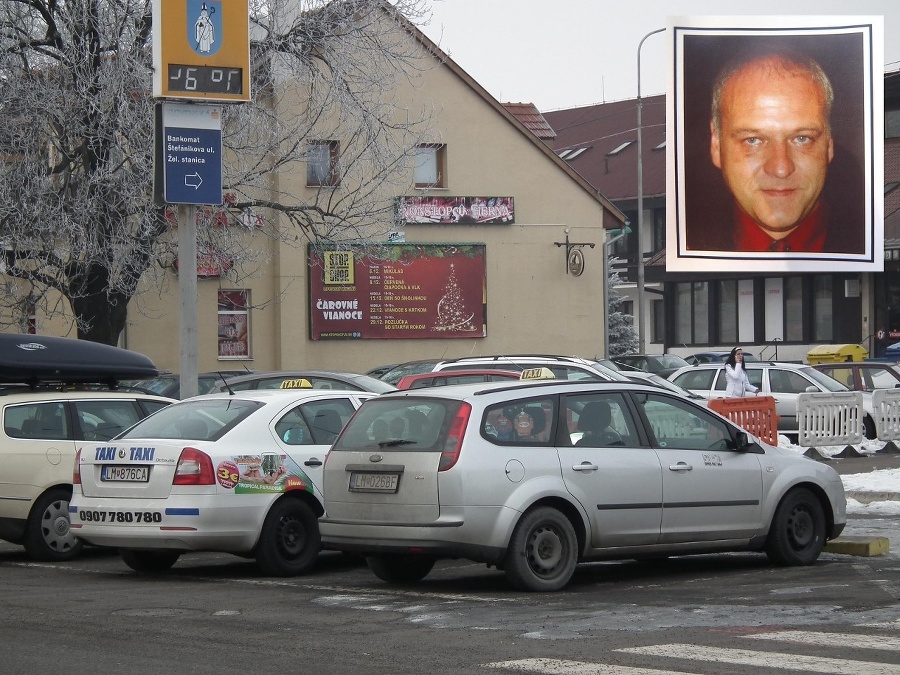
(397, 291)
(775, 156)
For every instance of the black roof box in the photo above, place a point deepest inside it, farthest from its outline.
(39, 358)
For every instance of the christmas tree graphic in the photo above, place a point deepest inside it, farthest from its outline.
(452, 313)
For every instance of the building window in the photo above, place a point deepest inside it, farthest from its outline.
(892, 123)
(659, 229)
(692, 313)
(658, 329)
(431, 165)
(728, 312)
(793, 309)
(823, 325)
(234, 324)
(322, 163)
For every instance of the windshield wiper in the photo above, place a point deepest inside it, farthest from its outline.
(395, 442)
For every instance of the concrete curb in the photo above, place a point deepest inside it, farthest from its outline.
(869, 497)
(859, 546)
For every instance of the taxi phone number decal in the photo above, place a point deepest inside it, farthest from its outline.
(120, 516)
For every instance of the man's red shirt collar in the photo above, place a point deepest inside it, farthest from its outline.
(808, 236)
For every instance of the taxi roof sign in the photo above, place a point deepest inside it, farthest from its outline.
(542, 373)
(300, 383)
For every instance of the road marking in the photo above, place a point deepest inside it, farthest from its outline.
(560, 667)
(746, 657)
(832, 639)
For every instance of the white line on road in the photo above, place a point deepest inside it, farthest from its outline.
(832, 639)
(560, 667)
(794, 662)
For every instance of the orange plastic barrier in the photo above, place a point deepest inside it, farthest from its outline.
(756, 414)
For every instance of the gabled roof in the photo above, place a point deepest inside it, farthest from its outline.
(612, 215)
(606, 134)
(530, 116)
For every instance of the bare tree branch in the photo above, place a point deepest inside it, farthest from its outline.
(77, 214)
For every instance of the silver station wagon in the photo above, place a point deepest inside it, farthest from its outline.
(535, 477)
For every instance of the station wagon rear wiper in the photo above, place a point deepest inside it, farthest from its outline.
(395, 442)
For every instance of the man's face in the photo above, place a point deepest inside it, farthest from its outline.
(773, 144)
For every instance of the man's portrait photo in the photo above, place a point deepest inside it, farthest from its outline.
(774, 148)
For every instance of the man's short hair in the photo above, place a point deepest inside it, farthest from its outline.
(787, 61)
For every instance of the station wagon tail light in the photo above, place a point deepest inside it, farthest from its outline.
(194, 468)
(453, 444)
(76, 472)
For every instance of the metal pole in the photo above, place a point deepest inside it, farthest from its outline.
(640, 204)
(187, 289)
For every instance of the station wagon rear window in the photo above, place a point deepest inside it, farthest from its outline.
(399, 424)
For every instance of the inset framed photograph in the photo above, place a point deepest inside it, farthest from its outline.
(775, 142)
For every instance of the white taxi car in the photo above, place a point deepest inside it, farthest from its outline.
(536, 477)
(238, 473)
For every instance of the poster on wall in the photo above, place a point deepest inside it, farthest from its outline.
(397, 291)
(775, 157)
(234, 324)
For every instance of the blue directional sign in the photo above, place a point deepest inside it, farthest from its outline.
(192, 153)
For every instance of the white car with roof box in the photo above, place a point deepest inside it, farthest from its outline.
(230, 472)
(45, 413)
(536, 477)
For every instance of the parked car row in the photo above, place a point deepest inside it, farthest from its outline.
(530, 476)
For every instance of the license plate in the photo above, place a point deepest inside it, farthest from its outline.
(374, 482)
(128, 474)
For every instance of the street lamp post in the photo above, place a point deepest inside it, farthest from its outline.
(640, 202)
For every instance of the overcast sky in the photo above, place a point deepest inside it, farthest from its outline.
(568, 53)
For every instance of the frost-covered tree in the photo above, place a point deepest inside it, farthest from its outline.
(78, 223)
(622, 335)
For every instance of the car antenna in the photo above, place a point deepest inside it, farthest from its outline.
(227, 386)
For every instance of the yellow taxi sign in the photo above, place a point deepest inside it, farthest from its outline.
(542, 373)
(300, 383)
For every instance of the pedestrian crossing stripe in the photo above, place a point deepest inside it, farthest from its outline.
(560, 667)
(746, 657)
(847, 640)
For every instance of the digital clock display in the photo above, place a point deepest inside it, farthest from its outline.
(206, 79)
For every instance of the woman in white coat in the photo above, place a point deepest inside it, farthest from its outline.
(737, 383)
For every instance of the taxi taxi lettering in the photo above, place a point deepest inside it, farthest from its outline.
(108, 454)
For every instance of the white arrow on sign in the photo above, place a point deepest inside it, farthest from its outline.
(189, 183)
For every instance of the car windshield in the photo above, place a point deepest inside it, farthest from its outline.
(663, 383)
(369, 383)
(206, 420)
(827, 382)
(394, 375)
(671, 361)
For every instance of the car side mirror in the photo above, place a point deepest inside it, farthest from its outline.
(812, 390)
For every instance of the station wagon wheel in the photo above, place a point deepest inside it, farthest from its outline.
(542, 552)
(149, 561)
(400, 569)
(47, 534)
(289, 542)
(797, 533)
